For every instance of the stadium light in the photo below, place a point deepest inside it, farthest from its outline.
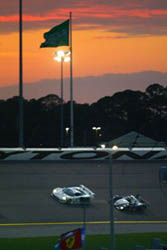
(97, 129)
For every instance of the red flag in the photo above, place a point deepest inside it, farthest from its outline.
(71, 240)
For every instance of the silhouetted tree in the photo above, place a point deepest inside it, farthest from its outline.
(143, 112)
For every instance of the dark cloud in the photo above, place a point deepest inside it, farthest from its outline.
(154, 4)
(40, 7)
(8, 7)
(135, 17)
(140, 4)
(105, 85)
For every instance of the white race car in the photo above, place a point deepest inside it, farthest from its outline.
(73, 195)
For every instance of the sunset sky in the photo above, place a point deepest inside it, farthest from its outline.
(109, 37)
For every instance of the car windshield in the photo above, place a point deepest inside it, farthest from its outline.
(71, 192)
(68, 191)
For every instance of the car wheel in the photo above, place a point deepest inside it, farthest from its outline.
(69, 201)
(132, 209)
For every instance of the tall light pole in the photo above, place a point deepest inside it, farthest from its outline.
(62, 57)
(112, 238)
(21, 141)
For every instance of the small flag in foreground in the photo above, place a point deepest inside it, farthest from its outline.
(73, 239)
(57, 36)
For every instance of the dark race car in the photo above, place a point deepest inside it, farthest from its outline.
(129, 203)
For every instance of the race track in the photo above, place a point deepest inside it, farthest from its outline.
(25, 190)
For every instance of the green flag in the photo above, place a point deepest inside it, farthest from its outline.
(57, 36)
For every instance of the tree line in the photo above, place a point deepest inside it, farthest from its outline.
(125, 111)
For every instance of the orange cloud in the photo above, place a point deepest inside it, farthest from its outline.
(12, 18)
(27, 18)
(100, 11)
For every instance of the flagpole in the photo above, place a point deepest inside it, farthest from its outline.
(84, 224)
(71, 90)
(21, 143)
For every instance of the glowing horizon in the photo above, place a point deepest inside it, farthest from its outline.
(107, 38)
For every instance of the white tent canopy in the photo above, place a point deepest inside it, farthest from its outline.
(134, 139)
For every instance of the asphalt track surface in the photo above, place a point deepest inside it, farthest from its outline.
(26, 208)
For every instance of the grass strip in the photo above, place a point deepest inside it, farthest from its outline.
(93, 242)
